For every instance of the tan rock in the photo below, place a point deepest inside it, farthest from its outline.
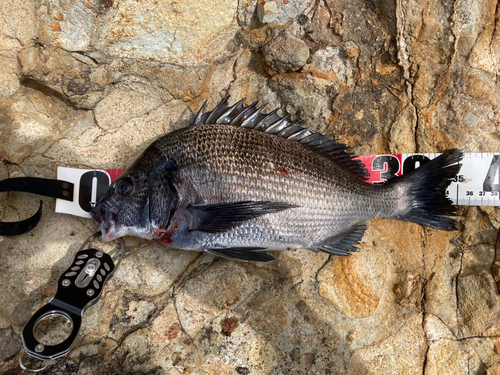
(402, 134)
(263, 354)
(381, 358)
(160, 267)
(285, 52)
(485, 54)
(32, 122)
(336, 64)
(180, 33)
(18, 21)
(9, 75)
(128, 100)
(354, 286)
(221, 287)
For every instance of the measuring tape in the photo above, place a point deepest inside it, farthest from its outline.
(477, 184)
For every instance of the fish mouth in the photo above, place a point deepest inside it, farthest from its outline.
(107, 223)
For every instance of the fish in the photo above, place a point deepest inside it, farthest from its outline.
(237, 183)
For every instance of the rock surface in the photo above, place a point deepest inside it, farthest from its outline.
(91, 84)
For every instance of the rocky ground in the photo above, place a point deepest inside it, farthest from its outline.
(90, 84)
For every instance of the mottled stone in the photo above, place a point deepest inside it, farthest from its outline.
(451, 357)
(30, 123)
(249, 85)
(219, 288)
(88, 144)
(181, 33)
(478, 301)
(337, 64)
(129, 99)
(10, 343)
(160, 267)
(485, 54)
(9, 75)
(323, 26)
(285, 52)
(354, 286)
(263, 354)
(402, 132)
(247, 15)
(393, 355)
(18, 21)
(267, 11)
(280, 11)
(313, 111)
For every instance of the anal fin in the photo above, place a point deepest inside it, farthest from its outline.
(246, 254)
(344, 244)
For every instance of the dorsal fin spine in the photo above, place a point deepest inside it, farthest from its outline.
(278, 126)
(244, 114)
(300, 135)
(201, 112)
(250, 122)
(267, 120)
(214, 114)
(290, 130)
(225, 116)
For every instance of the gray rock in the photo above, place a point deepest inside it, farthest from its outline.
(285, 52)
(267, 11)
(339, 64)
(280, 11)
(10, 342)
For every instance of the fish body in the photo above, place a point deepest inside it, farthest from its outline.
(237, 182)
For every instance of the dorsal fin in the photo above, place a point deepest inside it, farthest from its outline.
(252, 117)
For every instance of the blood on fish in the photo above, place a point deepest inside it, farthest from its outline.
(164, 241)
(163, 237)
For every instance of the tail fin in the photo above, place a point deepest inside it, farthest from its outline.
(427, 186)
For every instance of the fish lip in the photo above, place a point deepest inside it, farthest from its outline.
(108, 233)
(107, 224)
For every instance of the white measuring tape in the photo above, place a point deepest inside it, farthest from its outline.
(477, 184)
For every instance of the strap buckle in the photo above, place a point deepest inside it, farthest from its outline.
(42, 186)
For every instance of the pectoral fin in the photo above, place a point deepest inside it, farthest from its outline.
(246, 254)
(222, 217)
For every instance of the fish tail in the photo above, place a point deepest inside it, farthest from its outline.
(427, 186)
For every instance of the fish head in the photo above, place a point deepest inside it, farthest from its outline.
(139, 203)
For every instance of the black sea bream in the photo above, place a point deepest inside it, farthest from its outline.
(237, 182)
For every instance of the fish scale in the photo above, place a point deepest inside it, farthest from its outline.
(260, 182)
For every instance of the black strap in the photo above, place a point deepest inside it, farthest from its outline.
(42, 186)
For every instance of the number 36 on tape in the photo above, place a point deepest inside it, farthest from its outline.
(478, 183)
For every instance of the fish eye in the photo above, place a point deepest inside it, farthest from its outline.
(125, 187)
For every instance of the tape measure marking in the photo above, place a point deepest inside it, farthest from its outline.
(477, 184)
